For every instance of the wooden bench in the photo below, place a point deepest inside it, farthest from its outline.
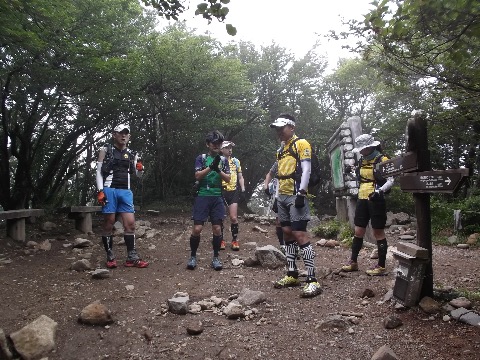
(83, 216)
(16, 221)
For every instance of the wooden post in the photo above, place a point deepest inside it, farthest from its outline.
(418, 142)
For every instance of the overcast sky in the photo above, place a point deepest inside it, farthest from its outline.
(293, 24)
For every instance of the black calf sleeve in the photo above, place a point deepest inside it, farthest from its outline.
(356, 247)
(129, 241)
(194, 243)
(234, 230)
(217, 239)
(382, 251)
(107, 242)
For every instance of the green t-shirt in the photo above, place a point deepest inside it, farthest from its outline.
(210, 185)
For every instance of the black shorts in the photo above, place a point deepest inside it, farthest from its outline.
(373, 211)
(231, 197)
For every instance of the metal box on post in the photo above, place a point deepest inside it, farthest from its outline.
(412, 260)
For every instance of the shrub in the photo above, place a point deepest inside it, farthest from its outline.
(333, 229)
(399, 201)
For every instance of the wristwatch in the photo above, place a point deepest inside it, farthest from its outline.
(302, 192)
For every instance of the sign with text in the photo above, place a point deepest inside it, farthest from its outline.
(440, 181)
(398, 165)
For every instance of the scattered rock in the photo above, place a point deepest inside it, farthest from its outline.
(270, 257)
(195, 328)
(95, 314)
(48, 226)
(250, 297)
(463, 246)
(101, 274)
(81, 243)
(374, 254)
(461, 302)
(178, 305)
(367, 293)
(81, 265)
(234, 310)
(473, 239)
(5, 352)
(384, 353)
(35, 340)
(428, 305)
(392, 322)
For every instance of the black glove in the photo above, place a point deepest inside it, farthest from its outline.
(267, 192)
(242, 196)
(275, 206)
(214, 165)
(376, 195)
(299, 201)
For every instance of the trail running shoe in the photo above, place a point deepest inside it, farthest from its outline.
(286, 281)
(217, 264)
(111, 264)
(192, 263)
(351, 266)
(222, 245)
(311, 289)
(235, 246)
(377, 270)
(139, 263)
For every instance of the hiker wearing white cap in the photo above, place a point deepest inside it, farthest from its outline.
(370, 204)
(293, 174)
(115, 165)
(233, 192)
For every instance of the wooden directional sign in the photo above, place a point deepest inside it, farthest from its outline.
(440, 181)
(399, 165)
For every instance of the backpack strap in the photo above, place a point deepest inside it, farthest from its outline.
(294, 154)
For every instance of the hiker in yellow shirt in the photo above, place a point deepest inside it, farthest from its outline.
(233, 192)
(293, 174)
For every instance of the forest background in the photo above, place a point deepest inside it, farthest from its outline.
(72, 70)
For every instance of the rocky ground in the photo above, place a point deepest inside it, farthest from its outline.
(339, 324)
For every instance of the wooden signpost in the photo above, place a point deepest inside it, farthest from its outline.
(439, 181)
(417, 177)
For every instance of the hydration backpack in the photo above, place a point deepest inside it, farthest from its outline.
(315, 170)
(109, 160)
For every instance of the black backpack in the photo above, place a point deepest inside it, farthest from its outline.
(315, 170)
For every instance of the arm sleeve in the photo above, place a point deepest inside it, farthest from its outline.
(99, 176)
(306, 169)
(388, 185)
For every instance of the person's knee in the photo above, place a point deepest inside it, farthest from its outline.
(360, 231)
(216, 229)
(379, 234)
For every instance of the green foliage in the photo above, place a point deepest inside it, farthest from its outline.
(400, 201)
(334, 229)
(442, 215)
(213, 9)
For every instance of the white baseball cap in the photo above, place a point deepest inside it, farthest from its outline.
(281, 122)
(121, 127)
(227, 144)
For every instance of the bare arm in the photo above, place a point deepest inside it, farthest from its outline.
(241, 181)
